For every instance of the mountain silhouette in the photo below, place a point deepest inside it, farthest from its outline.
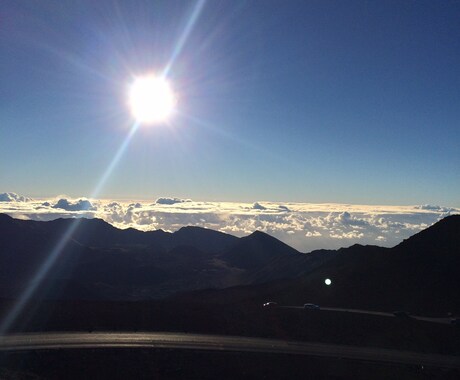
(257, 250)
(110, 263)
(267, 258)
(102, 262)
(420, 275)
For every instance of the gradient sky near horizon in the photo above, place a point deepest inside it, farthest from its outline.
(301, 101)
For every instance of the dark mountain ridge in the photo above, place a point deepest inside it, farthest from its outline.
(135, 264)
(256, 249)
(421, 274)
(98, 233)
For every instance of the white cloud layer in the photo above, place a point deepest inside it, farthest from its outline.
(13, 197)
(170, 201)
(78, 205)
(305, 226)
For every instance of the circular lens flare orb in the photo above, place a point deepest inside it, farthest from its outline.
(151, 99)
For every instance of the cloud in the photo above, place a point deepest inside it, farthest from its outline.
(305, 226)
(170, 201)
(435, 208)
(284, 208)
(347, 235)
(79, 205)
(13, 197)
(346, 219)
(258, 206)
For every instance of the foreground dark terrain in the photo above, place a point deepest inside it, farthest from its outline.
(240, 319)
(203, 281)
(188, 364)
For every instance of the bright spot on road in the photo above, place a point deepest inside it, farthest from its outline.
(328, 281)
(151, 99)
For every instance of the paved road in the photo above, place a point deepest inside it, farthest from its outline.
(442, 320)
(36, 341)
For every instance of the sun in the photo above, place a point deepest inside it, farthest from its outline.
(151, 99)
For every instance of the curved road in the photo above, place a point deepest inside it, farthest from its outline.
(36, 341)
(443, 320)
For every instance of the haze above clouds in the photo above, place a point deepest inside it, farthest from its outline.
(305, 226)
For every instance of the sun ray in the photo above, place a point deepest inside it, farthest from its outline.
(47, 265)
(184, 36)
(61, 244)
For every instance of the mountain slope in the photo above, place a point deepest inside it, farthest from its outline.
(204, 239)
(421, 275)
(98, 233)
(256, 250)
(131, 264)
(265, 258)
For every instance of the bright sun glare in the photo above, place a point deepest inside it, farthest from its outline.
(151, 99)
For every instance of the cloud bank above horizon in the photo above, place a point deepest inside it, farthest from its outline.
(304, 226)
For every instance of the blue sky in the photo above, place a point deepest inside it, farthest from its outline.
(309, 101)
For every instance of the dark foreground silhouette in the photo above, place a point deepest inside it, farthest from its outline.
(421, 275)
(102, 277)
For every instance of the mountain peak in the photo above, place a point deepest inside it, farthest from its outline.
(267, 241)
(257, 250)
(197, 230)
(443, 235)
(258, 234)
(205, 239)
(192, 228)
